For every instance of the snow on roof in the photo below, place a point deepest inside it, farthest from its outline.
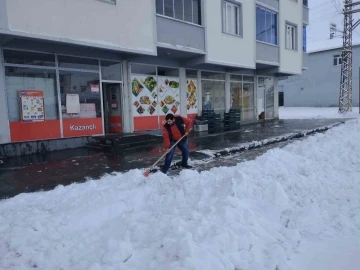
(328, 44)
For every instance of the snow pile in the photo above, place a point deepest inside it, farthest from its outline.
(315, 113)
(252, 216)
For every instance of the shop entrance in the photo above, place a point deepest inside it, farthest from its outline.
(112, 107)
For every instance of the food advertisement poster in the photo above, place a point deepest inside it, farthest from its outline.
(168, 95)
(32, 105)
(144, 95)
(191, 96)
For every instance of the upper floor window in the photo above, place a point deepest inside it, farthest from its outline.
(305, 3)
(184, 10)
(266, 26)
(232, 20)
(304, 38)
(291, 37)
(337, 60)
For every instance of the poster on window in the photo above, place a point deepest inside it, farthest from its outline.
(32, 105)
(144, 95)
(72, 103)
(169, 95)
(191, 96)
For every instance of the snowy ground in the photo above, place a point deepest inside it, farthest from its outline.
(315, 113)
(293, 208)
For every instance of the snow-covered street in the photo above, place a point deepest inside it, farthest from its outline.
(285, 210)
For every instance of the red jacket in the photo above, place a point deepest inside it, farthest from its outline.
(175, 132)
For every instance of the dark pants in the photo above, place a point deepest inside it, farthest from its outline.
(183, 146)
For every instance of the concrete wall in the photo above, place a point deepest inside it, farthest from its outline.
(290, 60)
(28, 148)
(267, 53)
(128, 25)
(230, 49)
(319, 85)
(174, 32)
(4, 120)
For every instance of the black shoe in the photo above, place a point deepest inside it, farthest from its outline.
(186, 166)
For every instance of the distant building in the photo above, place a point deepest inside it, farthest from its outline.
(318, 86)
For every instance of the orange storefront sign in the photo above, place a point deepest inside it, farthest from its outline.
(82, 127)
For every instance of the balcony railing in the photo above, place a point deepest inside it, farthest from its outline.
(305, 3)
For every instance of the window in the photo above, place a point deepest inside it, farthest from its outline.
(231, 18)
(305, 3)
(266, 26)
(213, 91)
(242, 95)
(19, 78)
(304, 38)
(291, 37)
(184, 10)
(337, 60)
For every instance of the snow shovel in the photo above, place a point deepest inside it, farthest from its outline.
(147, 171)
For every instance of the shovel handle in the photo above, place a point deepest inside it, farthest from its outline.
(166, 153)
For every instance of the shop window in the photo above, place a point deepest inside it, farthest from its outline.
(29, 58)
(236, 78)
(143, 69)
(212, 75)
(80, 95)
(164, 71)
(192, 93)
(168, 91)
(18, 78)
(248, 108)
(111, 71)
(191, 74)
(213, 93)
(78, 63)
(242, 95)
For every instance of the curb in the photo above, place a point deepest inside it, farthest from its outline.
(287, 137)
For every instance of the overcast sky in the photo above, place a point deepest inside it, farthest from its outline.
(322, 12)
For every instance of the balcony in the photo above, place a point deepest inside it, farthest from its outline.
(179, 34)
(267, 53)
(305, 60)
(271, 3)
(305, 12)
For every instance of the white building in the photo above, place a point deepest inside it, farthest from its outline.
(111, 66)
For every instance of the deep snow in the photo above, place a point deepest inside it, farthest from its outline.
(274, 212)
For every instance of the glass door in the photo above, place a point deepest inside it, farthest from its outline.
(112, 107)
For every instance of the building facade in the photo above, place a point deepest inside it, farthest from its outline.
(72, 69)
(319, 85)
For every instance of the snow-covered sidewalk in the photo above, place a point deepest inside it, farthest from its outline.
(261, 214)
(315, 113)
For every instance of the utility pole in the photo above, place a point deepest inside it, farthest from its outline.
(345, 97)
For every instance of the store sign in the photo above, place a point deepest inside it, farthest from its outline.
(32, 105)
(82, 127)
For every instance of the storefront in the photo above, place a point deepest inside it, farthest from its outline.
(265, 97)
(243, 96)
(53, 96)
(157, 91)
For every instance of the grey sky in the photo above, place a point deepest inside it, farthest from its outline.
(322, 12)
